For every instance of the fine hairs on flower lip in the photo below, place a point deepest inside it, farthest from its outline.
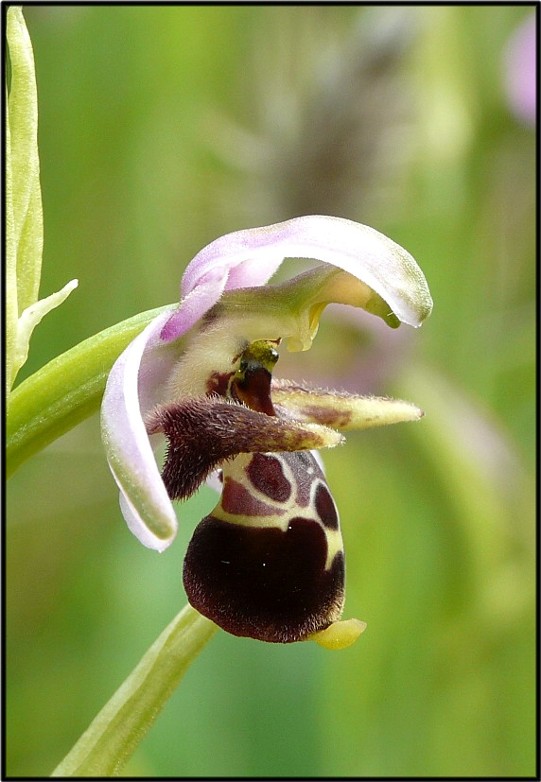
(268, 561)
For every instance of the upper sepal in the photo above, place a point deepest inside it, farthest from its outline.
(249, 258)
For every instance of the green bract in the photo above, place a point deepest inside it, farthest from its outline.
(24, 215)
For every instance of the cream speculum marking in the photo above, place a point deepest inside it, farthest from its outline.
(268, 561)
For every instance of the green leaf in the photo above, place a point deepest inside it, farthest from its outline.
(30, 318)
(24, 216)
(24, 213)
(23, 160)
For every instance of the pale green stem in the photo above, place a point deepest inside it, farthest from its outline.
(119, 727)
(66, 390)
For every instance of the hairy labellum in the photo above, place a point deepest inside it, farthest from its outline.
(268, 562)
(204, 432)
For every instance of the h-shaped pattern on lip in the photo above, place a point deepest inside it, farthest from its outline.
(268, 561)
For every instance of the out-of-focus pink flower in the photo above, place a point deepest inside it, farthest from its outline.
(520, 62)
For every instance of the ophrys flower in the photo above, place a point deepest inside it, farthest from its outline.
(268, 561)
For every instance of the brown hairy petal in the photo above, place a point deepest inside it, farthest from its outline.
(205, 431)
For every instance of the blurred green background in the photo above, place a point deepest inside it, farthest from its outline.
(162, 128)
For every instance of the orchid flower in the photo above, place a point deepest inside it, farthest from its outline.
(268, 561)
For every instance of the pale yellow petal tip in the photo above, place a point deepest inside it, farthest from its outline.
(329, 438)
(339, 635)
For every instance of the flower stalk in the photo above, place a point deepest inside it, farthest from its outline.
(116, 731)
(66, 390)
